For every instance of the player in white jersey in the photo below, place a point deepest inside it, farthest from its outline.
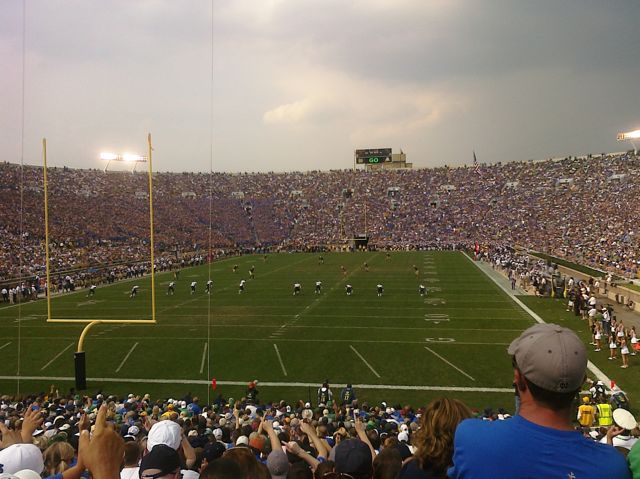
(193, 286)
(422, 290)
(171, 289)
(92, 290)
(209, 286)
(318, 287)
(296, 289)
(241, 286)
(134, 291)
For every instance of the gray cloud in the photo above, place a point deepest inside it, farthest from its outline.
(514, 80)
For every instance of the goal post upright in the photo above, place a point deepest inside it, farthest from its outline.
(79, 355)
(153, 264)
(46, 227)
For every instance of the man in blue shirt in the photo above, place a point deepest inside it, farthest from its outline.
(549, 369)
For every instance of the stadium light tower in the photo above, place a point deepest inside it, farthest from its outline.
(125, 158)
(631, 137)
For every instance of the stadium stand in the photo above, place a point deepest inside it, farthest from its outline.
(586, 220)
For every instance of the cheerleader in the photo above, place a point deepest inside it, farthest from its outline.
(635, 344)
(624, 351)
(613, 348)
(620, 332)
(598, 337)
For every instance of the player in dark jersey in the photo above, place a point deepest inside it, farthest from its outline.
(318, 289)
(349, 289)
(422, 290)
(347, 395)
(296, 289)
(209, 286)
(171, 289)
(380, 289)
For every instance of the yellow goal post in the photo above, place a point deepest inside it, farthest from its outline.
(79, 355)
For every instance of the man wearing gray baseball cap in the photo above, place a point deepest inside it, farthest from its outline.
(549, 366)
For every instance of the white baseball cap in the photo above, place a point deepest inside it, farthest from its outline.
(164, 432)
(21, 456)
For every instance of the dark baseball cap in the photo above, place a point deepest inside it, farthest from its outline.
(353, 457)
(161, 457)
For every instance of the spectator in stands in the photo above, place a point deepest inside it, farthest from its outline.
(434, 440)
(58, 457)
(162, 462)
(634, 460)
(549, 369)
(132, 453)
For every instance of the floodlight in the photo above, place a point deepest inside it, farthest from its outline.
(131, 157)
(108, 156)
(629, 135)
(124, 158)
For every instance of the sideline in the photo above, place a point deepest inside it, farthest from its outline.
(263, 384)
(595, 370)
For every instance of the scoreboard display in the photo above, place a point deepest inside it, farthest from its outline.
(373, 156)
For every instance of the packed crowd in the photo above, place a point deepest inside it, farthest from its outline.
(61, 437)
(587, 207)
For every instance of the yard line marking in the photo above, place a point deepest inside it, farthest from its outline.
(264, 384)
(449, 363)
(364, 361)
(315, 326)
(127, 357)
(5, 345)
(597, 372)
(298, 340)
(204, 356)
(284, 371)
(56, 357)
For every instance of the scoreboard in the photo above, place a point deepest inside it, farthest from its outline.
(373, 156)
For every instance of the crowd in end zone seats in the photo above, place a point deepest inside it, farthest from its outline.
(338, 436)
(583, 209)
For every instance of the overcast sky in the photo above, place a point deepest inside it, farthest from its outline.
(299, 84)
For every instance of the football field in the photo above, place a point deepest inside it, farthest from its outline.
(400, 347)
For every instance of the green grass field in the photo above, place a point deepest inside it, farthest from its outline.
(401, 347)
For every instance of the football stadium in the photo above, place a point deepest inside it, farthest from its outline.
(286, 308)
